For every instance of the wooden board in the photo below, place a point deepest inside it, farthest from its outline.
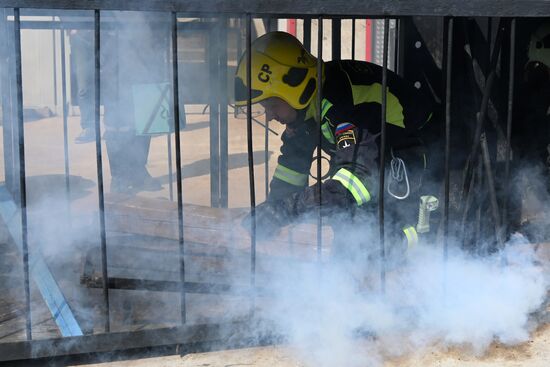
(216, 228)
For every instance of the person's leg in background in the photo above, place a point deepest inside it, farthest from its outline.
(83, 58)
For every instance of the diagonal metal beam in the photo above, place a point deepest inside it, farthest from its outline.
(39, 271)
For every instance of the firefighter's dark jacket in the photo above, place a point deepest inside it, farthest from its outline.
(350, 127)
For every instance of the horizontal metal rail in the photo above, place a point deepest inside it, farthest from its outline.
(174, 286)
(284, 8)
(228, 334)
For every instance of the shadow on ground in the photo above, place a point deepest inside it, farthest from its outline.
(202, 166)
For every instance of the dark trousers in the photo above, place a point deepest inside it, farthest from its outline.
(127, 154)
(82, 51)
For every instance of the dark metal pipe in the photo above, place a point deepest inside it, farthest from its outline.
(99, 162)
(480, 199)
(307, 34)
(336, 39)
(509, 124)
(170, 169)
(266, 135)
(448, 98)
(383, 158)
(266, 159)
(176, 112)
(250, 149)
(320, 140)
(194, 338)
(54, 46)
(213, 67)
(491, 188)
(224, 128)
(22, 178)
(468, 204)
(65, 128)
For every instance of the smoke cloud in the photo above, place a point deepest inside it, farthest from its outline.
(336, 319)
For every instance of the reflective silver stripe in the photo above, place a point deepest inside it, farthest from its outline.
(412, 236)
(290, 176)
(353, 185)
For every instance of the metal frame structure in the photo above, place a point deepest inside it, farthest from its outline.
(318, 9)
(288, 8)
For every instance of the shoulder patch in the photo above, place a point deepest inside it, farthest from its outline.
(341, 128)
(346, 139)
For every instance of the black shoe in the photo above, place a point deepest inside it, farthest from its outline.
(121, 186)
(86, 136)
(148, 183)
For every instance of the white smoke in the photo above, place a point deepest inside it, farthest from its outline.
(336, 319)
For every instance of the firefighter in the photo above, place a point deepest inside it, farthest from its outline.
(534, 105)
(284, 83)
(531, 135)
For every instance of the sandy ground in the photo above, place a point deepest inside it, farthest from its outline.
(533, 353)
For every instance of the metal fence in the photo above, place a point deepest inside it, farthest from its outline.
(74, 342)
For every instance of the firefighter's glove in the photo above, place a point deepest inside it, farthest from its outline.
(271, 216)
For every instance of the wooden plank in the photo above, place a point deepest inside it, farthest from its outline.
(215, 228)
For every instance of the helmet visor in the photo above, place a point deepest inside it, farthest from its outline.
(241, 111)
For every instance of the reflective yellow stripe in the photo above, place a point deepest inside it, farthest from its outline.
(327, 132)
(373, 93)
(353, 185)
(412, 236)
(325, 106)
(290, 176)
(325, 126)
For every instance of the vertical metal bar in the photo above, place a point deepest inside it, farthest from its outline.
(480, 199)
(54, 46)
(320, 137)
(64, 109)
(383, 158)
(266, 136)
(509, 123)
(266, 158)
(213, 63)
(179, 190)
(170, 169)
(391, 46)
(250, 149)
(223, 101)
(491, 188)
(307, 34)
(336, 39)
(22, 178)
(99, 162)
(6, 78)
(353, 39)
(448, 95)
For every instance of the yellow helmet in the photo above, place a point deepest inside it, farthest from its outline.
(281, 67)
